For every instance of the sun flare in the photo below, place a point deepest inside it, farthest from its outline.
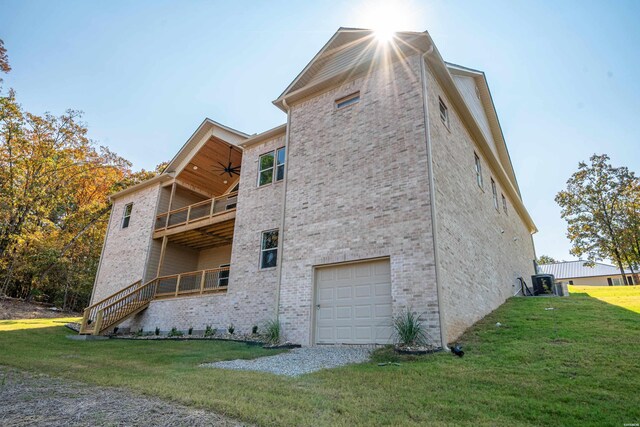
(388, 17)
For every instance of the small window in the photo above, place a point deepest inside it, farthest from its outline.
(444, 112)
(571, 282)
(269, 162)
(280, 156)
(265, 175)
(127, 215)
(609, 281)
(348, 100)
(223, 276)
(494, 190)
(504, 203)
(269, 249)
(478, 170)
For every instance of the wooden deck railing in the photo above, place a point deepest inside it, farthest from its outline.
(117, 307)
(196, 212)
(194, 282)
(91, 313)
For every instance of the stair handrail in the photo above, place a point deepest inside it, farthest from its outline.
(90, 313)
(122, 307)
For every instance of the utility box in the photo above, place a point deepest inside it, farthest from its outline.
(543, 284)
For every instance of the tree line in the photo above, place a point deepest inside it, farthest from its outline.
(601, 205)
(54, 205)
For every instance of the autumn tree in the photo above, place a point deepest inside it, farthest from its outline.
(596, 206)
(54, 206)
(545, 259)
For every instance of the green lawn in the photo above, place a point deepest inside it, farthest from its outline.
(577, 364)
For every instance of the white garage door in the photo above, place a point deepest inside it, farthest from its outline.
(353, 303)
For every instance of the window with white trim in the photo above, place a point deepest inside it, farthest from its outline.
(494, 190)
(271, 167)
(348, 100)
(269, 249)
(444, 112)
(504, 203)
(478, 167)
(126, 218)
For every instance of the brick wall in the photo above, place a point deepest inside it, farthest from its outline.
(481, 250)
(358, 188)
(125, 250)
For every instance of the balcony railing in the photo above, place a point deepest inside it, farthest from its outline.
(193, 282)
(196, 212)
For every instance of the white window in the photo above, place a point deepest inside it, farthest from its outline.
(478, 170)
(223, 276)
(444, 112)
(494, 190)
(269, 249)
(267, 163)
(348, 100)
(127, 215)
(504, 203)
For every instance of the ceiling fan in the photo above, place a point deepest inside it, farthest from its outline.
(228, 168)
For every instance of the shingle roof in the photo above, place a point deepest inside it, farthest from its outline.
(575, 269)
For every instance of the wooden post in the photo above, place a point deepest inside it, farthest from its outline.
(162, 251)
(85, 317)
(178, 284)
(188, 213)
(202, 279)
(213, 204)
(173, 192)
(98, 324)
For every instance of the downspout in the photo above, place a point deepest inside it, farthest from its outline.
(284, 204)
(432, 196)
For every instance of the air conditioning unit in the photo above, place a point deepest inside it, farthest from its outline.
(543, 284)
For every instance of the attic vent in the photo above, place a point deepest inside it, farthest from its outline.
(348, 100)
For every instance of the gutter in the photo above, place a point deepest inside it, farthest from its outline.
(432, 196)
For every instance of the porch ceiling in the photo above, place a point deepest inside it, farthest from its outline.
(218, 234)
(201, 172)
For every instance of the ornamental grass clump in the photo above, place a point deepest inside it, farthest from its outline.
(409, 329)
(272, 331)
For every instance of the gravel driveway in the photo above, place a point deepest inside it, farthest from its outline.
(300, 360)
(38, 400)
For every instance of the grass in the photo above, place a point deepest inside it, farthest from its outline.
(622, 296)
(574, 365)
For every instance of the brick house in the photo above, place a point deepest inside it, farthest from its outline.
(389, 187)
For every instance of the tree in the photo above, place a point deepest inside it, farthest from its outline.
(596, 208)
(545, 259)
(54, 206)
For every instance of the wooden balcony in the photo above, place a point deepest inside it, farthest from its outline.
(204, 224)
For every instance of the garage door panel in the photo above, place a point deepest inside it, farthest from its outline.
(382, 311)
(344, 312)
(362, 311)
(344, 292)
(355, 304)
(383, 289)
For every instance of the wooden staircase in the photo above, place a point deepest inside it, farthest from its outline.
(118, 307)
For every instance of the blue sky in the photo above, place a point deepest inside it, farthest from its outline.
(563, 74)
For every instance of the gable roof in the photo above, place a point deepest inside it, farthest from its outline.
(577, 269)
(351, 52)
(203, 133)
(206, 130)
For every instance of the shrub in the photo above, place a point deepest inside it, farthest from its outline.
(115, 330)
(254, 330)
(409, 329)
(190, 330)
(157, 331)
(175, 332)
(208, 332)
(230, 329)
(140, 332)
(272, 331)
